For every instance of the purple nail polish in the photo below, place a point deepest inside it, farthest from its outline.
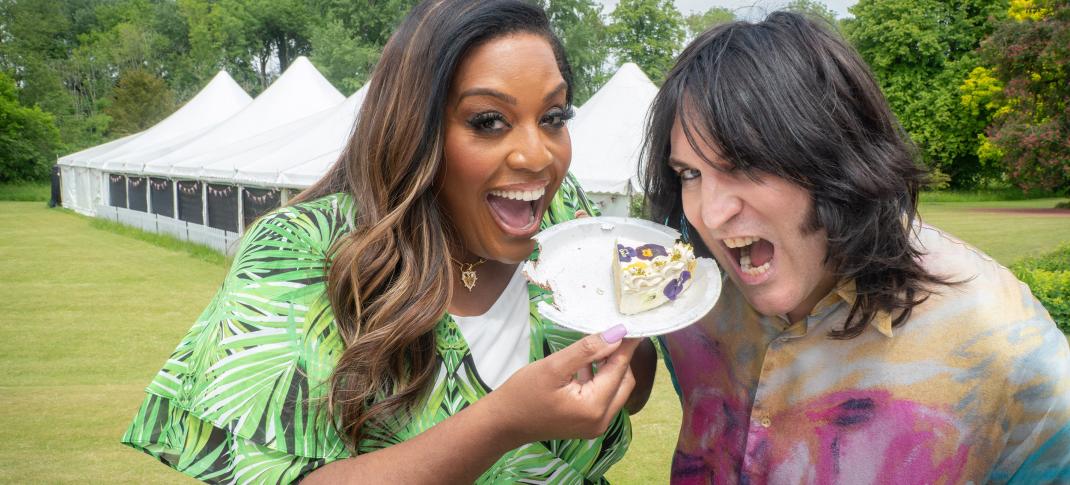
(614, 334)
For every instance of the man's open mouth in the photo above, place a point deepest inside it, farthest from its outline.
(753, 254)
(516, 211)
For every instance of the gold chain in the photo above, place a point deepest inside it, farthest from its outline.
(468, 273)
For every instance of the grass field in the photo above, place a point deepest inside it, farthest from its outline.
(26, 192)
(93, 313)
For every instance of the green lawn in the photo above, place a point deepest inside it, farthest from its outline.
(27, 192)
(1007, 237)
(93, 313)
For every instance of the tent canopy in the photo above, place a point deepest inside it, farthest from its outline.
(299, 92)
(322, 143)
(79, 159)
(258, 160)
(220, 99)
(607, 136)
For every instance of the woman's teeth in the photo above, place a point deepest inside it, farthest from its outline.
(525, 195)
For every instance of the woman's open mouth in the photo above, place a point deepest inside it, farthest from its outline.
(517, 212)
(752, 255)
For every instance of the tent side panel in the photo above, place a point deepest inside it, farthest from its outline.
(160, 190)
(137, 190)
(190, 208)
(223, 207)
(257, 202)
(116, 190)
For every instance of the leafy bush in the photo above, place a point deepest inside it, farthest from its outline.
(28, 137)
(1028, 55)
(1049, 278)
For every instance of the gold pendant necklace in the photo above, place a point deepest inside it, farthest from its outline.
(468, 273)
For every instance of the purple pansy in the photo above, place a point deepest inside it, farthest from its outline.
(650, 251)
(673, 289)
(625, 253)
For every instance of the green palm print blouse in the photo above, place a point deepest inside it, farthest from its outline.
(241, 398)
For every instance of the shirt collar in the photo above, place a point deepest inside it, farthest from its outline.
(847, 293)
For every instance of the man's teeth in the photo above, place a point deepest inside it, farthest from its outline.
(744, 263)
(525, 195)
(738, 242)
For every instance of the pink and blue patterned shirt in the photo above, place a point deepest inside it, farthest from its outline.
(973, 388)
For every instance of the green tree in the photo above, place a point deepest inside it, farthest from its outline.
(698, 23)
(370, 21)
(578, 23)
(814, 9)
(139, 101)
(921, 51)
(28, 137)
(341, 56)
(648, 33)
(1029, 54)
(348, 37)
(254, 40)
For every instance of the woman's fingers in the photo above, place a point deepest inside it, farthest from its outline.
(612, 375)
(582, 353)
(584, 375)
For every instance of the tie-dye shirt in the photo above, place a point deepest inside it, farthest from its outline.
(973, 388)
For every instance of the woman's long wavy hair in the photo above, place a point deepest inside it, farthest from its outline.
(389, 279)
(785, 97)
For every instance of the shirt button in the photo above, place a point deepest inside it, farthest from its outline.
(766, 422)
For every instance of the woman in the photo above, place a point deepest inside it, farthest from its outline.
(851, 343)
(371, 330)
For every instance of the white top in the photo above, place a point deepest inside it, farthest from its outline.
(500, 340)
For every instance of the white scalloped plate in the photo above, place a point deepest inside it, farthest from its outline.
(576, 263)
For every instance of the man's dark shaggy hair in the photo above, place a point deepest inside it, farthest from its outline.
(787, 98)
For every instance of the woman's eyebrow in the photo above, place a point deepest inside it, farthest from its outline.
(555, 92)
(487, 92)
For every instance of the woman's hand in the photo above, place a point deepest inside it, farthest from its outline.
(558, 398)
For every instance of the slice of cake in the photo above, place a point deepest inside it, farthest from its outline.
(648, 275)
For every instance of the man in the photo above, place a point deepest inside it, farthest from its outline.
(852, 343)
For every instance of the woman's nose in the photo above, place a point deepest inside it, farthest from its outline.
(530, 151)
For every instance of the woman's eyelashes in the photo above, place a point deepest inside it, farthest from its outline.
(493, 122)
(557, 117)
(488, 122)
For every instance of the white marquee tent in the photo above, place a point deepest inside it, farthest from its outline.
(259, 160)
(300, 91)
(161, 184)
(80, 187)
(306, 158)
(220, 98)
(607, 138)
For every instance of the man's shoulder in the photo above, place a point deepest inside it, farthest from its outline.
(971, 274)
(982, 296)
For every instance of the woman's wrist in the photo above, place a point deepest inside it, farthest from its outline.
(495, 418)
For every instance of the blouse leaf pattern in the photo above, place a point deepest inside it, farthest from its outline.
(241, 399)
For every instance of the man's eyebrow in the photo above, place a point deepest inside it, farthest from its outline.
(674, 163)
(555, 92)
(487, 92)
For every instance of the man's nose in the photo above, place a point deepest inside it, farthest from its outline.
(719, 202)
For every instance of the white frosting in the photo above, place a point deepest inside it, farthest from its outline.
(654, 276)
